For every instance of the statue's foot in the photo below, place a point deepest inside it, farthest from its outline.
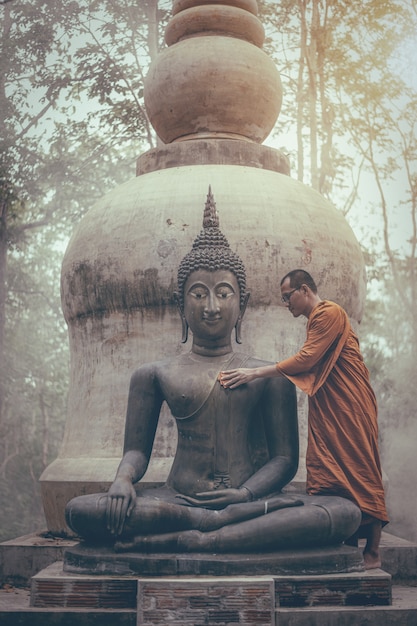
(148, 543)
(124, 546)
(281, 502)
(185, 541)
(196, 541)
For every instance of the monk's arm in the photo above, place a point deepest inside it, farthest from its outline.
(242, 375)
(324, 331)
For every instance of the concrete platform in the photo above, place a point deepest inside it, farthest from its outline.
(15, 610)
(402, 612)
(54, 587)
(24, 554)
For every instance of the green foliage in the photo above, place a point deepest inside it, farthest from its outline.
(337, 59)
(70, 110)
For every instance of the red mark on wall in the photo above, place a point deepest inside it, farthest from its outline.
(307, 252)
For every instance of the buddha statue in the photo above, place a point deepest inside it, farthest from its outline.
(236, 449)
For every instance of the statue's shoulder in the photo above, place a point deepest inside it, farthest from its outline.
(154, 369)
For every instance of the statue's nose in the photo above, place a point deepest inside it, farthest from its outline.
(212, 305)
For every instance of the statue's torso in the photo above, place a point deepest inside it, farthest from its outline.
(213, 423)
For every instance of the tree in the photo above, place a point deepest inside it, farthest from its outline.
(391, 126)
(24, 28)
(323, 49)
(64, 124)
(64, 108)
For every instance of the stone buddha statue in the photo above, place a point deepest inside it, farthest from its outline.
(236, 449)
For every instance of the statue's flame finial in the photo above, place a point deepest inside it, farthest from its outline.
(211, 217)
(210, 236)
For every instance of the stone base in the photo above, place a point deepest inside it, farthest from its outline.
(25, 554)
(51, 587)
(87, 559)
(221, 600)
(22, 558)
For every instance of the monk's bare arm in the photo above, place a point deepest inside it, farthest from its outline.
(234, 378)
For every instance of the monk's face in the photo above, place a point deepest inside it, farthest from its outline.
(211, 304)
(292, 298)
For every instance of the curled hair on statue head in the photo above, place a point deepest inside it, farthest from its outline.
(211, 252)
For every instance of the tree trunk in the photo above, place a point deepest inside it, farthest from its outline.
(312, 93)
(5, 199)
(153, 48)
(3, 295)
(300, 90)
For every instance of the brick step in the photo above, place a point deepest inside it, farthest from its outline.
(402, 612)
(54, 587)
(15, 609)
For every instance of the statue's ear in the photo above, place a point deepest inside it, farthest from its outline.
(184, 322)
(238, 326)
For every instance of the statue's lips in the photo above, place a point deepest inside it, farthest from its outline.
(211, 320)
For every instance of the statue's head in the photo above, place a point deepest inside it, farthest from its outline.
(211, 252)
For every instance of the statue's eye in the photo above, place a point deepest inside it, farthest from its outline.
(224, 293)
(199, 294)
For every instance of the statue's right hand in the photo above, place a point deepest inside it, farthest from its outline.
(121, 499)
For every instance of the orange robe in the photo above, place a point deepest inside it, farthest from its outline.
(342, 451)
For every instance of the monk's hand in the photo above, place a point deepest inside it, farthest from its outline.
(121, 499)
(217, 499)
(230, 379)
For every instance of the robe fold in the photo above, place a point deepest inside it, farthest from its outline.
(342, 451)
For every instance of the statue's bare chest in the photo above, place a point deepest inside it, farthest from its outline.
(187, 383)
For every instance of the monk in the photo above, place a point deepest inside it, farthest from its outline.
(342, 453)
(236, 449)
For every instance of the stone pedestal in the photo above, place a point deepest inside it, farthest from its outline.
(93, 560)
(182, 600)
(20, 556)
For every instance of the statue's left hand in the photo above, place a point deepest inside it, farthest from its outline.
(217, 499)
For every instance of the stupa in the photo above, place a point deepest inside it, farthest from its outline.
(213, 96)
